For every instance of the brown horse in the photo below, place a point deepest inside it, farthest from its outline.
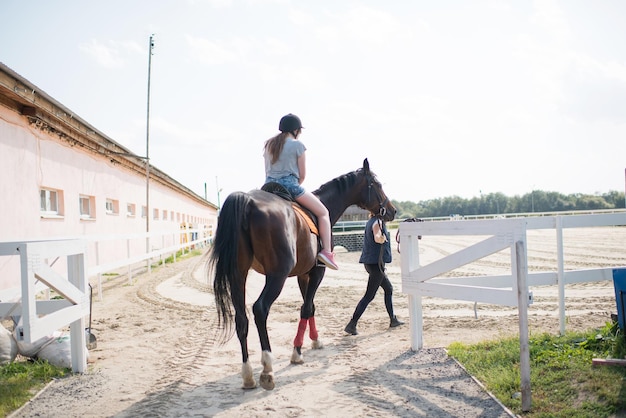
(262, 231)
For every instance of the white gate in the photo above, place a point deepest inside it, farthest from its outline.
(511, 290)
(42, 317)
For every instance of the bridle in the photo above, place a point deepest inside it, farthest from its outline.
(379, 217)
(381, 202)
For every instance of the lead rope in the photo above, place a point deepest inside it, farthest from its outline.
(381, 264)
(398, 231)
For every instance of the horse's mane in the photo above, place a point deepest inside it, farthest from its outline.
(341, 183)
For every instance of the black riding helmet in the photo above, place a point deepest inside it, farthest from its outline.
(289, 123)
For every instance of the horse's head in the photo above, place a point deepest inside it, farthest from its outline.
(372, 196)
(360, 188)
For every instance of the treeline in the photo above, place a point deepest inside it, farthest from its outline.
(498, 203)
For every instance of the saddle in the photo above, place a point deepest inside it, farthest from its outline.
(280, 191)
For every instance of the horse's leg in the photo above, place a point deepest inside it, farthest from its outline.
(261, 308)
(241, 325)
(315, 279)
(296, 356)
(316, 343)
(308, 287)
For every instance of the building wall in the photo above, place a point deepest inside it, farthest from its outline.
(32, 158)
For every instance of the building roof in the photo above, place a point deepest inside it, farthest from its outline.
(49, 115)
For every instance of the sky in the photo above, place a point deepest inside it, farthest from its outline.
(444, 98)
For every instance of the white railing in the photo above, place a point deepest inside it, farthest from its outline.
(510, 289)
(459, 217)
(42, 317)
(39, 272)
(160, 246)
(421, 281)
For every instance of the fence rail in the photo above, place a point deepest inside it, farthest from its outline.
(511, 289)
(38, 270)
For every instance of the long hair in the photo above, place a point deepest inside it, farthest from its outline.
(274, 146)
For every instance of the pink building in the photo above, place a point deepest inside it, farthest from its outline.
(60, 177)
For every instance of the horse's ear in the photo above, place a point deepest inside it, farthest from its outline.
(366, 165)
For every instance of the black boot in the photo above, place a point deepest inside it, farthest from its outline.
(395, 322)
(351, 328)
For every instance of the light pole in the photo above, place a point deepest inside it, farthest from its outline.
(150, 47)
(217, 187)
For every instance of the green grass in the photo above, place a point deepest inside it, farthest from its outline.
(564, 383)
(179, 256)
(20, 381)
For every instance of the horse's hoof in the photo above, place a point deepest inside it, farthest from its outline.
(267, 381)
(249, 385)
(296, 357)
(317, 344)
(247, 376)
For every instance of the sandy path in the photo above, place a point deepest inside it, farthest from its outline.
(157, 355)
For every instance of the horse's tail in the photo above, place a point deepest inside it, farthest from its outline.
(232, 223)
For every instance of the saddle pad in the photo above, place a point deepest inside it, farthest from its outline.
(277, 189)
(307, 218)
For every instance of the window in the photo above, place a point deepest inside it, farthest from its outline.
(144, 209)
(130, 210)
(165, 215)
(112, 207)
(51, 202)
(87, 207)
(155, 214)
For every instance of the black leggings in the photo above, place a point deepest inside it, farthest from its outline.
(377, 279)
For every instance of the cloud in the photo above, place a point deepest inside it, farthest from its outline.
(364, 27)
(216, 4)
(213, 53)
(113, 54)
(548, 16)
(106, 56)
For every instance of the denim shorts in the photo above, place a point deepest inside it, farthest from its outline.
(290, 183)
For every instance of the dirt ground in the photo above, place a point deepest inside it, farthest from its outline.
(157, 354)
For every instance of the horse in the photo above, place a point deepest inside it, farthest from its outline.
(263, 231)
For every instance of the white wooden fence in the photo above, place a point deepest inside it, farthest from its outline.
(41, 318)
(510, 289)
(39, 272)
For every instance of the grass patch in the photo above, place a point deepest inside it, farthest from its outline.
(179, 256)
(564, 383)
(21, 380)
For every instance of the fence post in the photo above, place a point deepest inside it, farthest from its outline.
(174, 243)
(417, 321)
(130, 270)
(522, 301)
(560, 272)
(409, 263)
(163, 254)
(99, 274)
(76, 276)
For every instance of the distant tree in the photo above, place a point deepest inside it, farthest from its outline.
(498, 203)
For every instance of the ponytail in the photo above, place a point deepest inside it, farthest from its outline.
(274, 145)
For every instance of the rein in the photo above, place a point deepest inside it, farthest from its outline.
(398, 232)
